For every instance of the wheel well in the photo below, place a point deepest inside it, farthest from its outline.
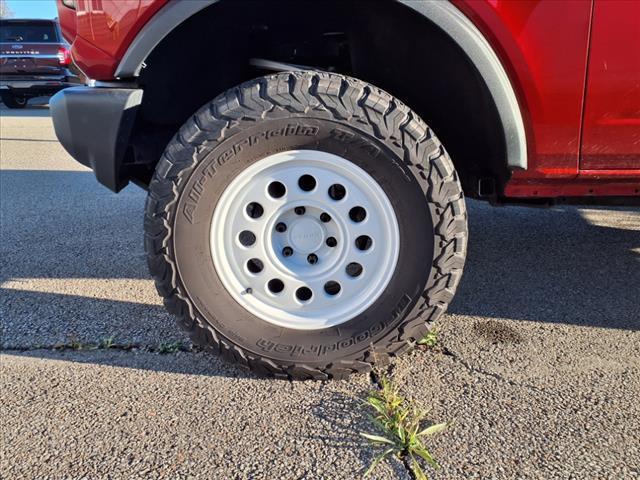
(390, 46)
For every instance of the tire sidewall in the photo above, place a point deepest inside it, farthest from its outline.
(219, 162)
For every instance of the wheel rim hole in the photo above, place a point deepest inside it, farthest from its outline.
(300, 210)
(275, 285)
(307, 183)
(325, 217)
(254, 210)
(304, 294)
(363, 242)
(357, 214)
(255, 265)
(246, 238)
(354, 269)
(332, 288)
(337, 192)
(277, 189)
(331, 242)
(281, 227)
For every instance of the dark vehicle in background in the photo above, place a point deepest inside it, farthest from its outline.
(34, 60)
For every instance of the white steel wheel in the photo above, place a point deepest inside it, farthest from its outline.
(304, 239)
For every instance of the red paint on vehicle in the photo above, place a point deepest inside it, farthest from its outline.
(611, 138)
(545, 47)
(547, 66)
(104, 30)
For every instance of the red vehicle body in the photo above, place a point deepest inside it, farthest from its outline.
(574, 66)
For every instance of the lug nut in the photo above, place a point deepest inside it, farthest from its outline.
(312, 258)
(281, 227)
(331, 242)
(287, 251)
(325, 217)
(299, 210)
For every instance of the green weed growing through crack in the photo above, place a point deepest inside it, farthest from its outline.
(169, 347)
(401, 423)
(75, 344)
(430, 339)
(108, 342)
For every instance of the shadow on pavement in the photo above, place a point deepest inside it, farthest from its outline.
(28, 111)
(36, 107)
(523, 264)
(184, 363)
(552, 265)
(62, 224)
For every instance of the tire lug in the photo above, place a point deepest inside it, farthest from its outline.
(331, 242)
(281, 227)
(287, 251)
(312, 258)
(300, 210)
(325, 217)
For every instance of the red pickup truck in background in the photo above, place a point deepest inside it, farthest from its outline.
(306, 160)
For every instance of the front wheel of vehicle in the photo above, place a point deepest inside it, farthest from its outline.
(306, 225)
(13, 101)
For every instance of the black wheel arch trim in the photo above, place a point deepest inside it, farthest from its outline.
(443, 14)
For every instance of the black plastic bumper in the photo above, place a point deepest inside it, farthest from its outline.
(94, 125)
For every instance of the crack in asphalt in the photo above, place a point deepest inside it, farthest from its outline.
(92, 347)
(458, 359)
(374, 375)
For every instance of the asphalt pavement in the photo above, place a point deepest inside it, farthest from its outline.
(538, 362)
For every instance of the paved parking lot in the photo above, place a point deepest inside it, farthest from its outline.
(539, 365)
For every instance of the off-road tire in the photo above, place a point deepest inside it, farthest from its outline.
(13, 101)
(322, 97)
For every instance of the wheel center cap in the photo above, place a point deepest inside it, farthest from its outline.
(306, 235)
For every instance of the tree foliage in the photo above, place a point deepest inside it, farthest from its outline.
(5, 11)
